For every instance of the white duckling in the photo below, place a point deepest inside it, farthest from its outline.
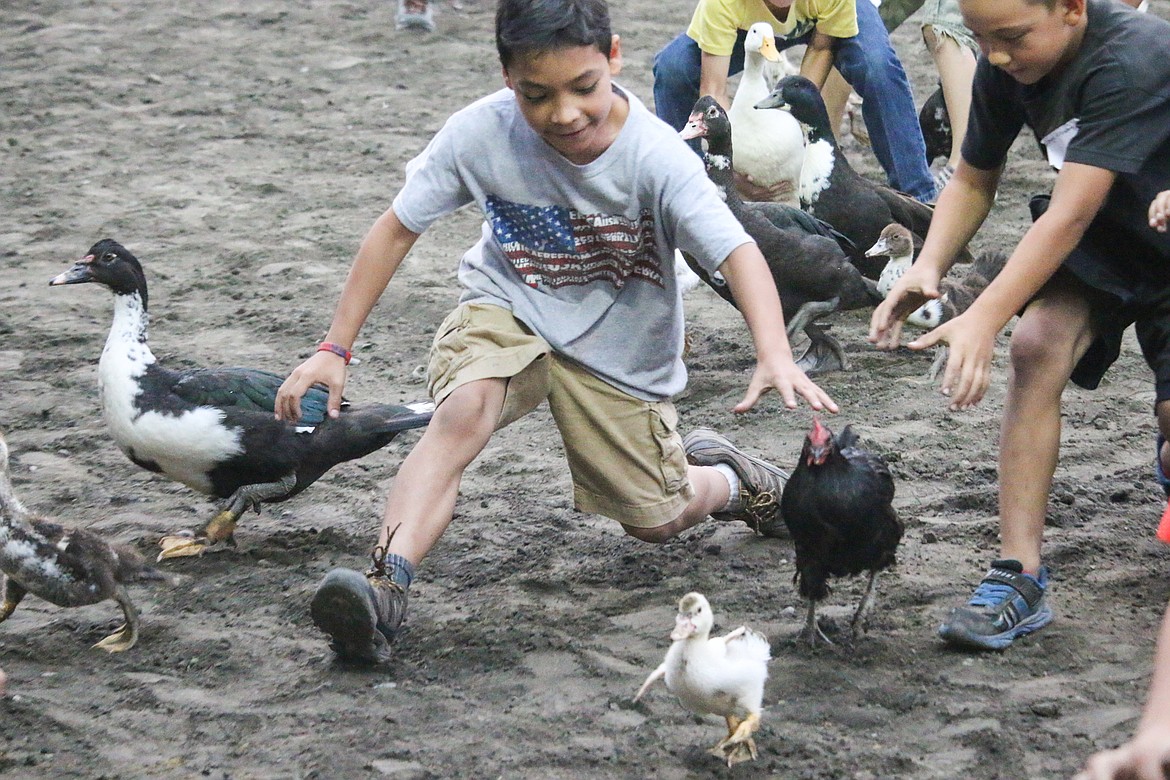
(769, 145)
(716, 675)
(69, 567)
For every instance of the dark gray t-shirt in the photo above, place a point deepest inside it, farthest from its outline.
(581, 254)
(1109, 108)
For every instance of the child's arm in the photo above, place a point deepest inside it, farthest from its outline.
(755, 293)
(1147, 755)
(1077, 197)
(377, 259)
(1160, 211)
(961, 209)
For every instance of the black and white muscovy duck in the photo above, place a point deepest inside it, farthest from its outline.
(838, 506)
(956, 294)
(69, 567)
(214, 430)
(935, 123)
(716, 675)
(829, 186)
(813, 274)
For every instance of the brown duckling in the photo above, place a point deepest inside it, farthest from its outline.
(69, 567)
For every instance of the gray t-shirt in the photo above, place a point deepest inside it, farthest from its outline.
(581, 254)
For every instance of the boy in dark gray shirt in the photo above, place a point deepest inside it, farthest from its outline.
(1092, 79)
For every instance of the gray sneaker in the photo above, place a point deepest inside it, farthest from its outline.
(760, 483)
(361, 613)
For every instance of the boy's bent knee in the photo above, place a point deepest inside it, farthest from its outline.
(471, 409)
(657, 535)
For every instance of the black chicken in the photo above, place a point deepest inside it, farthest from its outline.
(837, 505)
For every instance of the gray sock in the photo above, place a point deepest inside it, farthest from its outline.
(401, 570)
(733, 499)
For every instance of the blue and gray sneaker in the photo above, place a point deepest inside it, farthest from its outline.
(1163, 480)
(1007, 605)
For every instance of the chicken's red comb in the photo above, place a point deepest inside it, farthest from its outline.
(1164, 526)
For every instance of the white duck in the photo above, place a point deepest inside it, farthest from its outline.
(716, 675)
(769, 145)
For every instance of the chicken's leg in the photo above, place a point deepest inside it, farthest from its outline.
(812, 632)
(863, 606)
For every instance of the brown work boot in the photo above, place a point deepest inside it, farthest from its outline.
(760, 483)
(361, 613)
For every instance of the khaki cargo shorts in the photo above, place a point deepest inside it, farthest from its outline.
(625, 454)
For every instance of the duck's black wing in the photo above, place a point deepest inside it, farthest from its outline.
(251, 389)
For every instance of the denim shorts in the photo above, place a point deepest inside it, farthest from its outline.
(944, 18)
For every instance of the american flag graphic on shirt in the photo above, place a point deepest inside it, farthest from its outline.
(552, 246)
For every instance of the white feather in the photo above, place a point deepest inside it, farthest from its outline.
(153, 436)
(768, 144)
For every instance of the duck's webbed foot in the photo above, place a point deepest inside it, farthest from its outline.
(738, 746)
(824, 353)
(127, 636)
(13, 593)
(221, 529)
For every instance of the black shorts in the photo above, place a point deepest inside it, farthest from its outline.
(1127, 282)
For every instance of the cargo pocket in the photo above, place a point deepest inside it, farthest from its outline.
(672, 457)
(448, 344)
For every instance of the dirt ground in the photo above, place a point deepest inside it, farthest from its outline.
(241, 154)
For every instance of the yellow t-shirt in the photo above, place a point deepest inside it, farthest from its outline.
(716, 22)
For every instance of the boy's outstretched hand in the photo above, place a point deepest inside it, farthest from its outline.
(916, 287)
(1160, 211)
(784, 376)
(323, 368)
(1147, 757)
(968, 371)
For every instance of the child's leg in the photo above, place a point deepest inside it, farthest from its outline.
(486, 370)
(629, 463)
(1049, 340)
(422, 499)
(711, 493)
(1051, 336)
(956, 70)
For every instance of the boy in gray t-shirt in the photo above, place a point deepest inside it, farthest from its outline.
(570, 296)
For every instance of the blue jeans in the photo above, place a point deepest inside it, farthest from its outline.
(868, 63)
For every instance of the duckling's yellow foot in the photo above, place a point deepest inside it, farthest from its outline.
(739, 745)
(120, 641)
(736, 752)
